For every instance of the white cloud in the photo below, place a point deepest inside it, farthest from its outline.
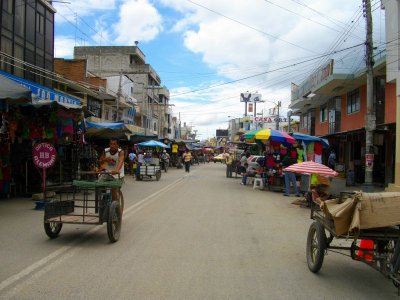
(138, 20)
(64, 46)
(83, 8)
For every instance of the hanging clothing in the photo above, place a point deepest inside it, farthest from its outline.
(318, 148)
(300, 155)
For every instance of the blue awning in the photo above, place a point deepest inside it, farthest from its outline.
(310, 138)
(44, 95)
(110, 125)
(106, 130)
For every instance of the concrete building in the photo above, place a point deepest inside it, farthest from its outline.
(27, 34)
(152, 107)
(392, 13)
(334, 106)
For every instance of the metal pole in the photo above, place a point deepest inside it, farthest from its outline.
(119, 94)
(180, 125)
(277, 117)
(370, 116)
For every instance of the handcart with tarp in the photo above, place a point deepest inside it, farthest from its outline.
(367, 225)
(89, 201)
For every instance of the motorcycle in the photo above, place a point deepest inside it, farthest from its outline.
(164, 164)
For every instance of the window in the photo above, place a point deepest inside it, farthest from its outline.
(304, 121)
(39, 23)
(30, 19)
(323, 114)
(18, 66)
(6, 47)
(94, 107)
(7, 6)
(19, 18)
(353, 101)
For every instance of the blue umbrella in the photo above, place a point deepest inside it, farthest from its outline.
(152, 143)
(310, 138)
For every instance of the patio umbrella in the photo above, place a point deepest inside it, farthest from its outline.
(152, 143)
(310, 167)
(270, 134)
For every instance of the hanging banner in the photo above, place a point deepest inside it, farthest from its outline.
(250, 107)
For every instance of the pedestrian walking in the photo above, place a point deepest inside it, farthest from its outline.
(187, 158)
(332, 160)
(132, 163)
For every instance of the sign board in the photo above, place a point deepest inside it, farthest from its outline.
(44, 155)
(312, 81)
(270, 119)
(369, 161)
(249, 97)
(41, 93)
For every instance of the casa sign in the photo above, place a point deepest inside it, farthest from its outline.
(269, 119)
(44, 155)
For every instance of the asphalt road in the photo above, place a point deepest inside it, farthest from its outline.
(194, 235)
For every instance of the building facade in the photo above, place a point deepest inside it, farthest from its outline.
(392, 13)
(152, 108)
(27, 35)
(334, 106)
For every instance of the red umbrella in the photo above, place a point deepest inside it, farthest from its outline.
(310, 167)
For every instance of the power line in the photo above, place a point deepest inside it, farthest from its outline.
(259, 74)
(251, 27)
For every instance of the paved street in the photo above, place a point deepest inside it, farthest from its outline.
(194, 235)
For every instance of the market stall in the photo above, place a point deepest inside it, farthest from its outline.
(275, 146)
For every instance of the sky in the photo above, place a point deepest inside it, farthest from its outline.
(207, 52)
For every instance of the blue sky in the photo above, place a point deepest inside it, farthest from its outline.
(195, 44)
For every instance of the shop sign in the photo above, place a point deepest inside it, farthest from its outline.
(44, 155)
(40, 93)
(269, 119)
(369, 161)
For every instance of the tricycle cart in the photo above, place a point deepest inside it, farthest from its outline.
(377, 247)
(89, 202)
(149, 171)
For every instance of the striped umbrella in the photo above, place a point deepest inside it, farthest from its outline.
(310, 167)
(270, 134)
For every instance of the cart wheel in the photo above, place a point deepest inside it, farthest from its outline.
(52, 229)
(158, 175)
(114, 222)
(121, 201)
(316, 245)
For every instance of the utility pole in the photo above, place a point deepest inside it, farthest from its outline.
(277, 116)
(180, 125)
(370, 117)
(119, 94)
(289, 115)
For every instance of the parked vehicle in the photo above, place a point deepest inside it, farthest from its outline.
(218, 158)
(255, 160)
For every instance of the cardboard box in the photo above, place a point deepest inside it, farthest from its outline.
(377, 209)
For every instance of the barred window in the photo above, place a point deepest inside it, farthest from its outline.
(353, 101)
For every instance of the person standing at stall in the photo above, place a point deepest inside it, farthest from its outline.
(140, 161)
(290, 177)
(228, 162)
(187, 157)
